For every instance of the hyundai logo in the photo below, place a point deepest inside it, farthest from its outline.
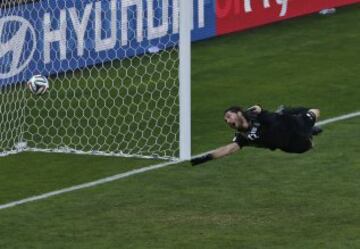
(16, 42)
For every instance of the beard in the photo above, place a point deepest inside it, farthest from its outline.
(243, 124)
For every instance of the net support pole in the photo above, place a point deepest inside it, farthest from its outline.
(186, 19)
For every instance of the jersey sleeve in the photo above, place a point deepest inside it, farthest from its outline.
(241, 140)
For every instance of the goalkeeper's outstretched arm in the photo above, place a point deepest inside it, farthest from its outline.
(218, 153)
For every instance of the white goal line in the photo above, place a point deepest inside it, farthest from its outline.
(134, 172)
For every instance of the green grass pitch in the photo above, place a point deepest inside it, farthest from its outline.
(254, 199)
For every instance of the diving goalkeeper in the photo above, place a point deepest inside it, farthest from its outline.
(288, 129)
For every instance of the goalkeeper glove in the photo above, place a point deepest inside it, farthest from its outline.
(201, 159)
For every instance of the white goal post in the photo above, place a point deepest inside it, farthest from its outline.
(119, 74)
(185, 78)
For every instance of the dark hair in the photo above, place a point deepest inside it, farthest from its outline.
(234, 109)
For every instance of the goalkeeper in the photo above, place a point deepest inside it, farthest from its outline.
(288, 129)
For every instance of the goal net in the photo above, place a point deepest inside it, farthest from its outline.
(113, 68)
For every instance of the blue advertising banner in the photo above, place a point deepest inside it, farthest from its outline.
(56, 36)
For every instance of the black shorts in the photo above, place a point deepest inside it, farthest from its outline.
(303, 123)
(300, 137)
(298, 144)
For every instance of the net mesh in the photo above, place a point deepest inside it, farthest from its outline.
(113, 86)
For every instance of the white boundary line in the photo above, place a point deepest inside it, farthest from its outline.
(339, 118)
(88, 184)
(133, 172)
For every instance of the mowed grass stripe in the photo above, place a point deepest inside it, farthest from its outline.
(133, 172)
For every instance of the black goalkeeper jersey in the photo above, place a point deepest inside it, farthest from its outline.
(268, 130)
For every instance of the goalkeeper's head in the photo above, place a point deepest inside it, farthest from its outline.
(235, 118)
